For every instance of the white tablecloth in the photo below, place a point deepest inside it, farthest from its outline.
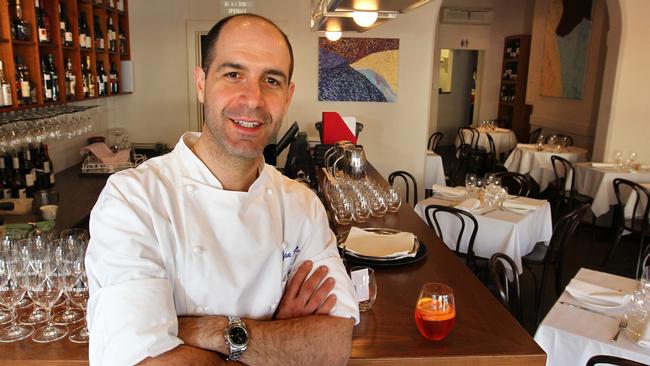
(525, 159)
(596, 182)
(570, 336)
(434, 172)
(504, 139)
(499, 231)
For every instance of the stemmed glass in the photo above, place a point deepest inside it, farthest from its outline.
(393, 199)
(73, 268)
(25, 248)
(12, 290)
(435, 311)
(68, 253)
(44, 286)
(470, 183)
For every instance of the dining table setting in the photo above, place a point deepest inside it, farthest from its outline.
(598, 314)
(504, 138)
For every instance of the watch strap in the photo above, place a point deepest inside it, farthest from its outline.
(235, 352)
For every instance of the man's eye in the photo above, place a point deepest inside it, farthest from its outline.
(232, 75)
(272, 81)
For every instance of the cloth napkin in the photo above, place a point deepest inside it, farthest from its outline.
(448, 191)
(106, 155)
(603, 165)
(370, 244)
(519, 205)
(592, 294)
(470, 204)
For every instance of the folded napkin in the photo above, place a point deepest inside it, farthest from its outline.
(370, 244)
(518, 204)
(503, 130)
(603, 165)
(596, 295)
(448, 191)
(106, 155)
(470, 204)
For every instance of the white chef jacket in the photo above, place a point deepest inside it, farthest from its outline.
(167, 240)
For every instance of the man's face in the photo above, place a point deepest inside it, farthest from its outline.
(247, 90)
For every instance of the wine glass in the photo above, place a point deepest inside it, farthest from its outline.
(12, 290)
(44, 286)
(79, 296)
(69, 253)
(435, 311)
(393, 199)
(618, 158)
(470, 183)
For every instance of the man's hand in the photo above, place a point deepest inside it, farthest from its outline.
(303, 296)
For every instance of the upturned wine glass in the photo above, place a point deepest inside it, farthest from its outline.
(12, 290)
(69, 253)
(79, 297)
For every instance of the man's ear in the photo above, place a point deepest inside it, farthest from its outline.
(199, 82)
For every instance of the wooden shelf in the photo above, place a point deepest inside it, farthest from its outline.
(32, 51)
(515, 114)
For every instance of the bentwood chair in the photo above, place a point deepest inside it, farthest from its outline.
(434, 141)
(504, 276)
(551, 257)
(410, 185)
(516, 183)
(534, 135)
(612, 360)
(637, 223)
(564, 198)
(464, 220)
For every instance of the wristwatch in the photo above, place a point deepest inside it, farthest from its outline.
(236, 336)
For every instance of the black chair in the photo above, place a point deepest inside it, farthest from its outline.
(558, 137)
(434, 141)
(516, 183)
(466, 220)
(468, 137)
(534, 135)
(504, 276)
(562, 199)
(638, 223)
(409, 181)
(551, 257)
(612, 360)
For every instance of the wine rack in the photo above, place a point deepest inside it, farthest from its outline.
(514, 77)
(31, 51)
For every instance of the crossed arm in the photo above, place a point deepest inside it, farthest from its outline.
(301, 332)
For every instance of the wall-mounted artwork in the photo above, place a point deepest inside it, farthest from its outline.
(566, 47)
(358, 69)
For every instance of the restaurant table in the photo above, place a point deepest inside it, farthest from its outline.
(485, 333)
(499, 231)
(526, 159)
(434, 172)
(570, 335)
(504, 139)
(596, 182)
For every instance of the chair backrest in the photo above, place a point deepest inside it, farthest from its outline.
(516, 183)
(564, 176)
(409, 181)
(468, 137)
(465, 220)
(623, 188)
(491, 158)
(434, 141)
(563, 230)
(505, 278)
(557, 136)
(534, 135)
(612, 360)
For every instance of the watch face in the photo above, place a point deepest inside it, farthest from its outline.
(238, 336)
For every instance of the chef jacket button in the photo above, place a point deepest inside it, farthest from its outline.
(190, 188)
(269, 191)
(198, 249)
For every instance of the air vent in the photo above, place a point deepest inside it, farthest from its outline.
(467, 16)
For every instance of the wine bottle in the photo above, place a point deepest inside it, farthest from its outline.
(90, 78)
(55, 77)
(18, 180)
(47, 81)
(85, 39)
(122, 42)
(5, 89)
(23, 84)
(22, 30)
(5, 184)
(42, 23)
(112, 36)
(70, 81)
(64, 25)
(101, 86)
(113, 79)
(50, 166)
(99, 35)
(28, 171)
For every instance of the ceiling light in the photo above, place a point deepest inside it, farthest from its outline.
(333, 36)
(364, 18)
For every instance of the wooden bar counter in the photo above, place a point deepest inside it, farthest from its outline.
(484, 334)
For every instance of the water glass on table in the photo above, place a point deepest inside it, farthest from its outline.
(435, 311)
(470, 183)
(365, 287)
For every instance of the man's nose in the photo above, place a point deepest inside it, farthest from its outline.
(252, 95)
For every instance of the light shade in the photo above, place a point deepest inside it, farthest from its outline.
(333, 36)
(364, 18)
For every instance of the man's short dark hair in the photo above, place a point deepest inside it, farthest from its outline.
(211, 39)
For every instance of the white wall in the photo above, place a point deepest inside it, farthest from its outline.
(395, 134)
(576, 117)
(624, 107)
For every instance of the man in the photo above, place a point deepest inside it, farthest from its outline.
(206, 253)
